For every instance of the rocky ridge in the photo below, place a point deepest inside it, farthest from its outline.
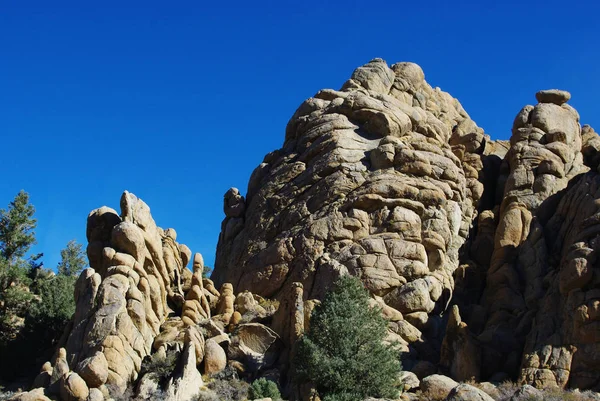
(480, 253)
(137, 302)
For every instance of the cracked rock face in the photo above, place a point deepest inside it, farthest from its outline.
(481, 254)
(138, 301)
(123, 299)
(380, 179)
(563, 346)
(388, 179)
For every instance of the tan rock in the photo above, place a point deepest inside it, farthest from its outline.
(255, 345)
(460, 353)
(439, 385)
(408, 380)
(398, 164)
(74, 388)
(196, 306)
(36, 394)
(215, 359)
(186, 383)
(555, 96)
(465, 392)
(94, 370)
(225, 305)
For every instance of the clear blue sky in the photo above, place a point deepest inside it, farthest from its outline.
(178, 101)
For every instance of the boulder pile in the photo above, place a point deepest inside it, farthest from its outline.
(481, 254)
(139, 301)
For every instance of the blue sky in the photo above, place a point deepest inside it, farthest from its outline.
(178, 101)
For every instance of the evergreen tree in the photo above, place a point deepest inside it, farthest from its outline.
(16, 237)
(16, 275)
(35, 303)
(16, 228)
(343, 351)
(73, 259)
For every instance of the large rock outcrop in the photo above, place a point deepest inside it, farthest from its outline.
(481, 254)
(388, 179)
(380, 179)
(138, 302)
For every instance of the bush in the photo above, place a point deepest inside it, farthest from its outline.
(343, 352)
(227, 386)
(263, 388)
(162, 366)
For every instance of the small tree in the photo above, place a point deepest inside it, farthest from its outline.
(16, 227)
(73, 259)
(16, 237)
(343, 352)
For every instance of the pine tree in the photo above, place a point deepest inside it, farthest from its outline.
(343, 351)
(73, 260)
(35, 304)
(16, 228)
(16, 237)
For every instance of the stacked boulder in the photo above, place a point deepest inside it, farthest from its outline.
(138, 301)
(389, 180)
(379, 179)
(481, 254)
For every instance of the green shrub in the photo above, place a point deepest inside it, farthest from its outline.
(227, 386)
(263, 388)
(343, 352)
(162, 366)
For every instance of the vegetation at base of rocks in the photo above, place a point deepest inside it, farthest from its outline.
(227, 386)
(207, 396)
(35, 303)
(5, 395)
(343, 352)
(129, 395)
(263, 388)
(505, 391)
(160, 365)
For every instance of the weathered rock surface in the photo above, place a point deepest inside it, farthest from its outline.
(388, 179)
(138, 301)
(466, 392)
(481, 254)
(438, 384)
(409, 380)
(186, 383)
(380, 179)
(215, 359)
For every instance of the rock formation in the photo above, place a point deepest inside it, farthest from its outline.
(380, 179)
(139, 301)
(481, 254)
(389, 180)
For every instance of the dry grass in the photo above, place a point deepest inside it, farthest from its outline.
(506, 390)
